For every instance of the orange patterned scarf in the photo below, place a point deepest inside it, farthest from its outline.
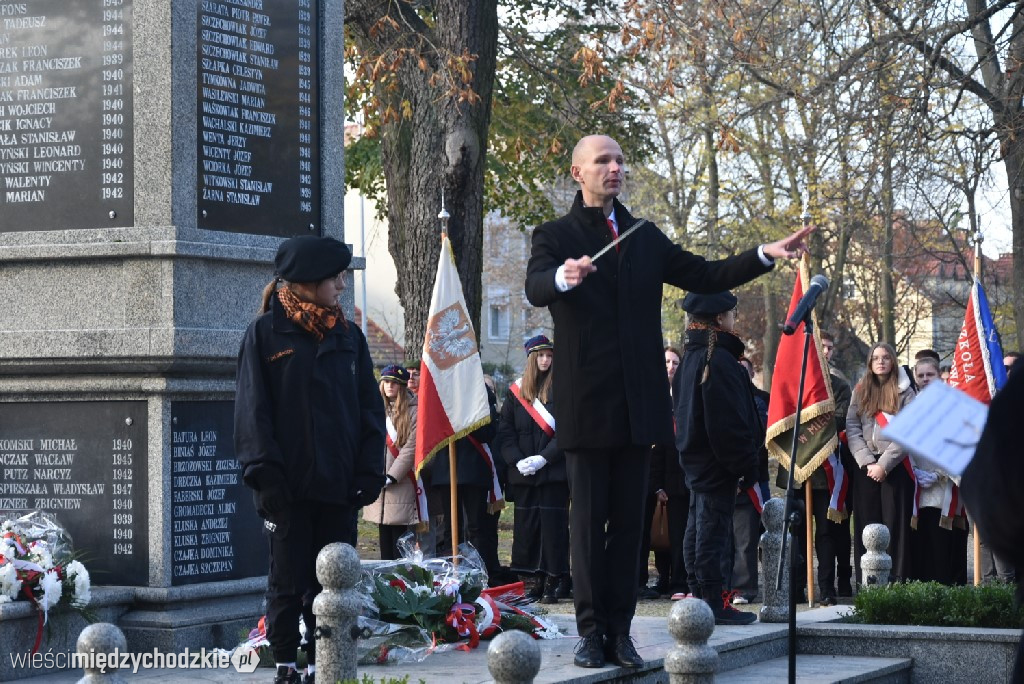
(315, 319)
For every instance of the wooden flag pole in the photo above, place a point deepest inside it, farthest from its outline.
(453, 484)
(808, 530)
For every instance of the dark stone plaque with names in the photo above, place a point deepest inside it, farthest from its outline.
(257, 117)
(215, 531)
(86, 463)
(66, 143)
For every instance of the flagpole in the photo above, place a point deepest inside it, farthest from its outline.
(453, 474)
(809, 531)
(974, 526)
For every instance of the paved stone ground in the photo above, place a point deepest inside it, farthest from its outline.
(453, 667)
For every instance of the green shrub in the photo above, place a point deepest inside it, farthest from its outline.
(937, 605)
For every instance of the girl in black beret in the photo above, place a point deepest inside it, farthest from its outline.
(309, 431)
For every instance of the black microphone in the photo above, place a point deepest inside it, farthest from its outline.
(819, 284)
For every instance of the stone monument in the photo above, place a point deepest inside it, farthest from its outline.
(153, 154)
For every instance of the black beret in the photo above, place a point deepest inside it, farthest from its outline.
(310, 259)
(709, 304)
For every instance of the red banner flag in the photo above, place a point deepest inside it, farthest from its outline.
(818, 436)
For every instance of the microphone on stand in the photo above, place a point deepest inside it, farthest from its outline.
(819, 284)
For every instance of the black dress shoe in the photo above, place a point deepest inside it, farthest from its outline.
(590, 651)
(619, 649)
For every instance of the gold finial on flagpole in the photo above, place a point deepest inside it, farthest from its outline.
(443, 215)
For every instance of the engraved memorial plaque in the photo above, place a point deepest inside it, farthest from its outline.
(216, 533)
(66, 143)
(257, 117)
(86, 463)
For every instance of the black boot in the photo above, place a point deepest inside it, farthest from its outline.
(286, 675)
(534, 586)
(564, 590)
(550, 590)
(721, 605)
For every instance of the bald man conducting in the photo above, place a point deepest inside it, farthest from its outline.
(611, 393)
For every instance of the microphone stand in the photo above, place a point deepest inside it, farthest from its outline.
(792, 515)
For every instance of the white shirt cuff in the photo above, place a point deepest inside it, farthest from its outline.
(765, 259)
(560, 283)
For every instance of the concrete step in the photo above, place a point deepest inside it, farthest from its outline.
(823, 669)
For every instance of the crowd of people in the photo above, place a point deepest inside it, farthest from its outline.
(592, 448)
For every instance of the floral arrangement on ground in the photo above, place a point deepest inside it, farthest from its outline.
(417, 606)
(37, 564)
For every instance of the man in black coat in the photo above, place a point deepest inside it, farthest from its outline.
(613, 400)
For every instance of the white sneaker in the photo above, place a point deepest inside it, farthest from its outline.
(739, 600)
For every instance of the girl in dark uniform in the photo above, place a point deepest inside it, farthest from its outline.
(309, 431)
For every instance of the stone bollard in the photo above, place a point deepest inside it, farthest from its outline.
(336, 609)
(100, 639)
(513, 658)
(776, 601)
(876, 563)
(691, 660)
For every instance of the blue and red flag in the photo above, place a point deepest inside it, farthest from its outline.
(973, 370)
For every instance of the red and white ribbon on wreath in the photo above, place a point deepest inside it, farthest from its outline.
(462, 618)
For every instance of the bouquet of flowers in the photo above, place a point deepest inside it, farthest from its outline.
(37, 564)
(415, 606)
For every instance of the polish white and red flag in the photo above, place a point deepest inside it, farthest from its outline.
(973, 370)
(452, 395)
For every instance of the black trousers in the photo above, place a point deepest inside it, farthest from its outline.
(540, 535)
(473, 502)
(831, 545)
(746, 533)
(889, 502)
(708, 531)
(671, 564)
(939, 555)
(389, 536)
(607, 487)
(292, 584)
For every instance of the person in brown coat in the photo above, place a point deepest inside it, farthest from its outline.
(398, 508)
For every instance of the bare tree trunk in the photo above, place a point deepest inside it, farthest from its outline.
(437, 141)
(771, 333)
(888, 291)
(1014, 150)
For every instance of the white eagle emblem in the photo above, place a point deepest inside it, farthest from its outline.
(450, 337)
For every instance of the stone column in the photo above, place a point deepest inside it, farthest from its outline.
(513, 657)
(776, 600)
(336, 609)
(691, 660)
(876, 563)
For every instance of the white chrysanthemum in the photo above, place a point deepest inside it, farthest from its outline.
(39, 553)
(7, 549)
(10, 585)
(52, 589)
(77, 572)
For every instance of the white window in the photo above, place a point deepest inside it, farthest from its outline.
(497, 315)
(849, 287)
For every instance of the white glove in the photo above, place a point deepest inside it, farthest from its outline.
(925, 478)
(537, 462)
(524, 467)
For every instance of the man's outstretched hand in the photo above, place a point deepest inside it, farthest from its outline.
(789, 247)
(578, 269)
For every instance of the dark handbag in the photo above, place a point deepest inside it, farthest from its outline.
(660, 540)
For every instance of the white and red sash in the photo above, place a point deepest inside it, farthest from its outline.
(495, 497)
(536, 409)
(422, 514)
(952, 507)
(882, 418)
(757, 497)
(838, 485)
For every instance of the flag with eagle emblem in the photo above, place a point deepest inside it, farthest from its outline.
(452, 395)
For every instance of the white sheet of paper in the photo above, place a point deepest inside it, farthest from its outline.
(940, 427)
